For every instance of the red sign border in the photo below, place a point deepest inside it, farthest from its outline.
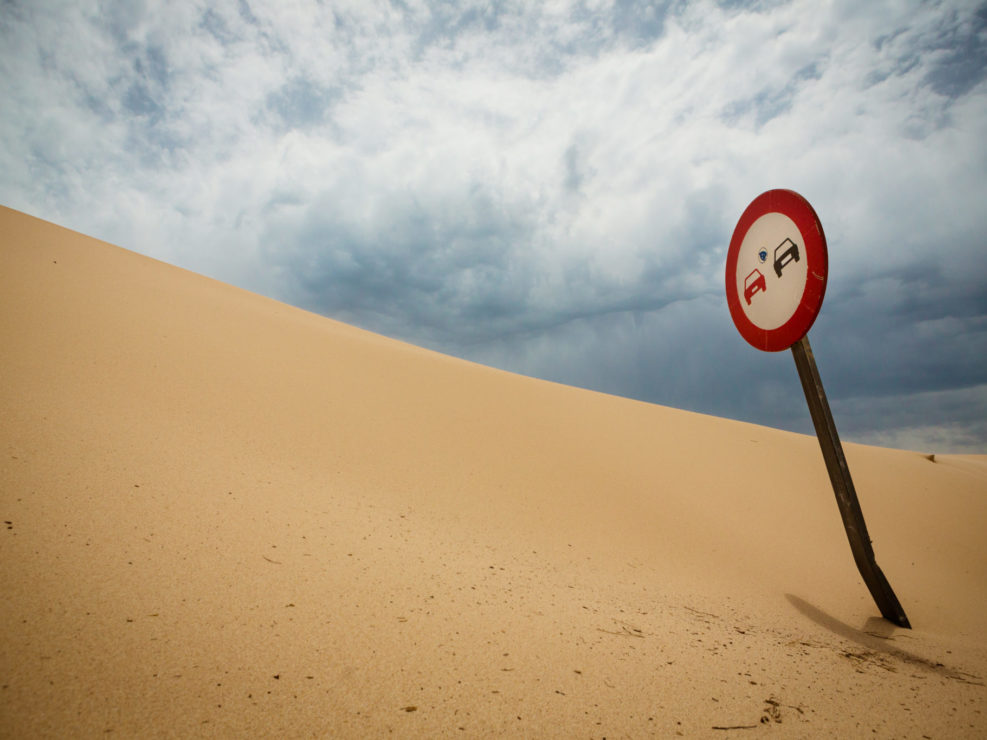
(797, 208)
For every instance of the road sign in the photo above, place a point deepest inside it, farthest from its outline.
(776, 270)
(775, 280)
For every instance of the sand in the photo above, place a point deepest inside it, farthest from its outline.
(224, 516)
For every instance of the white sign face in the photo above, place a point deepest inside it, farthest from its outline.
(771, 271)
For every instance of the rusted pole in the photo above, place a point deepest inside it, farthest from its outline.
(846, 496)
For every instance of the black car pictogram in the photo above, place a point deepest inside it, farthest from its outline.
(789, 252)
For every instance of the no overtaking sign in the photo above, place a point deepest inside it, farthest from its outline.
(776, 270)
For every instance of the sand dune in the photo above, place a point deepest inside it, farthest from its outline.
(224, 516)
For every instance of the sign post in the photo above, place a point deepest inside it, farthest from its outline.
(775, 282)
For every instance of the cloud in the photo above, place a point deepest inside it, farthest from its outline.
(951, 420)
(549, 187)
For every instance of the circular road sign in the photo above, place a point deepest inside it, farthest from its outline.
(776, 270)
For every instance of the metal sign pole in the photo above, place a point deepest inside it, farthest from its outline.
(846, 496)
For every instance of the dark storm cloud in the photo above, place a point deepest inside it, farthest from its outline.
(302, 103)
(443, 270)
(906, 332)
(950, 420)
(454, 274)
(641, 20)
(769, 103)
(961, 47)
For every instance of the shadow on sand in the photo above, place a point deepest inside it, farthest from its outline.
(877, 635)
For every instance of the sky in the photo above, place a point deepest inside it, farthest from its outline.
(545, 187)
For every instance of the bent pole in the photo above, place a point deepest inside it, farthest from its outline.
(846, 496)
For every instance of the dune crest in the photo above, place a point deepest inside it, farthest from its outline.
(226, 516)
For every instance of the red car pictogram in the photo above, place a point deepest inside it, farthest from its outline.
(753, 283)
